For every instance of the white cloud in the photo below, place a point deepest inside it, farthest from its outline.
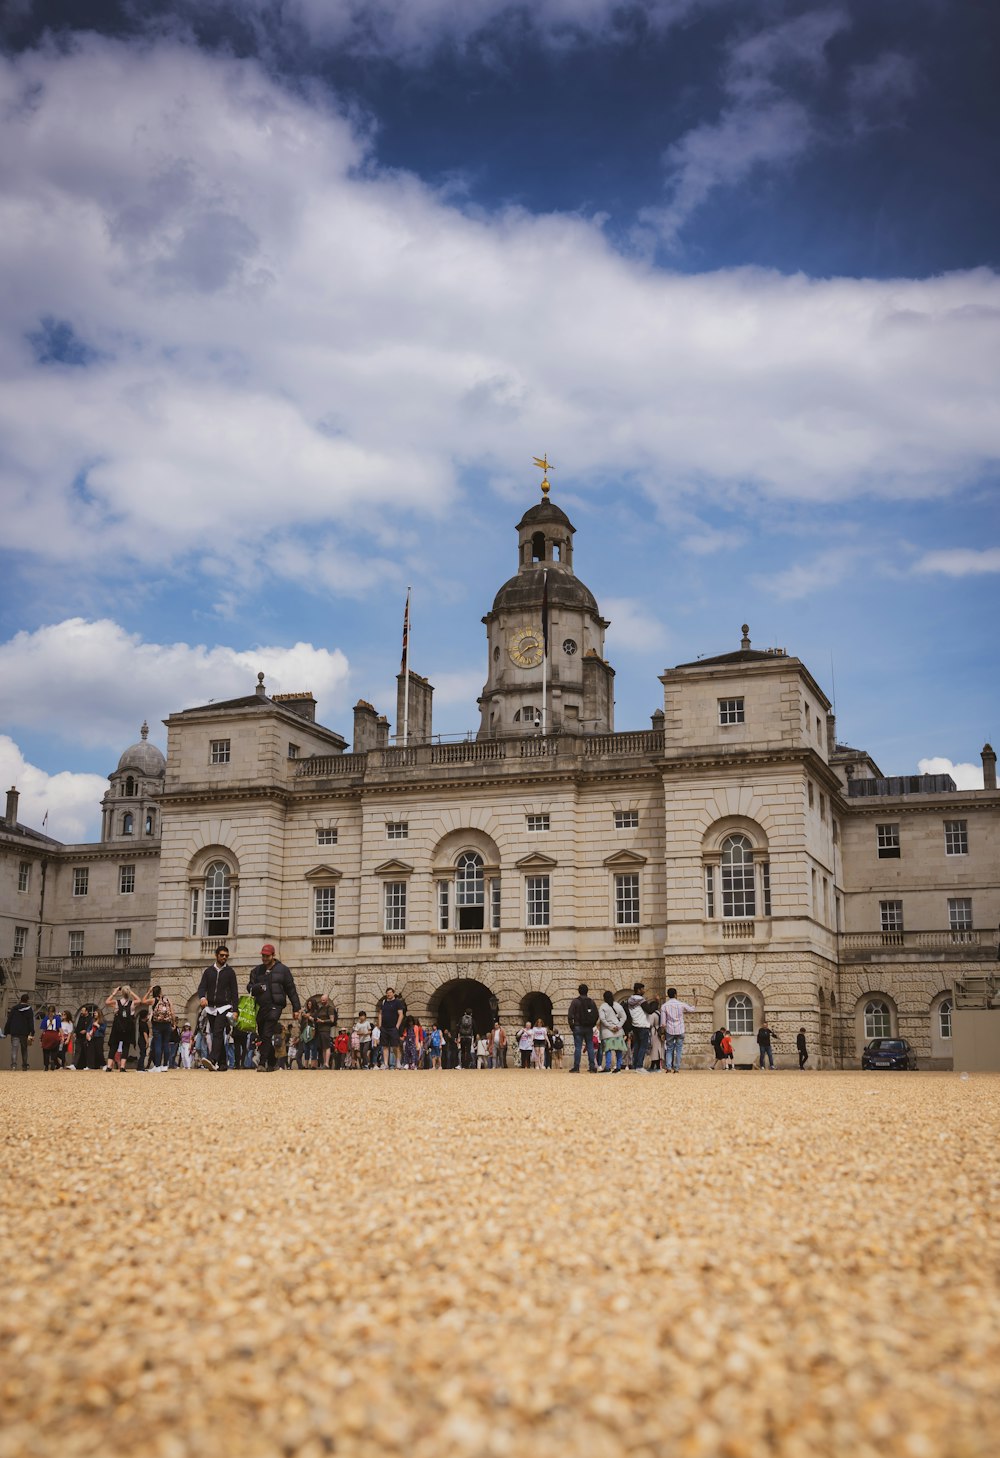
(707, 540)
(72, 801)
(801, 579)
(760, 124)
(966, 776)
(294, 349)
(95, 682)
(960, 561)
(634, 629)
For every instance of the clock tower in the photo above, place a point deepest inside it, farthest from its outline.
(579, 684)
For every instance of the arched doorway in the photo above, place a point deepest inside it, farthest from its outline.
(450, 1001)
(535, 1005)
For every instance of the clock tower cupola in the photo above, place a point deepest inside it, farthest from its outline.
(579, 689)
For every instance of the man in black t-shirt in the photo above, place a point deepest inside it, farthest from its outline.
(390, 1020)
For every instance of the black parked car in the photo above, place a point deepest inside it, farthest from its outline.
(888, 1053)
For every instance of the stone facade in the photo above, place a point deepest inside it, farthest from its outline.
(733, 850)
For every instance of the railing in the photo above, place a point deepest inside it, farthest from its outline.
(324, 944)
(393, 941)
(105, 962)
(870, 941)
(536, 937)
(399, 758)
(642, 741)
(468, 752)
(737, 931)
(318, 766)
(626, 935)
(538, 747)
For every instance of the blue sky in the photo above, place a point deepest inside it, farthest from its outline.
(295, 292)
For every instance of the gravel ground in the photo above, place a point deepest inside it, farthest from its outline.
(726, 1265)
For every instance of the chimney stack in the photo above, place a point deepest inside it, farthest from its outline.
(13, 797)
(989, 768)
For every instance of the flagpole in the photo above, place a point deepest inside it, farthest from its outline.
(545, 650)
(406, 674)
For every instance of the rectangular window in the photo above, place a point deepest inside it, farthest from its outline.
(891, 913)
(888, 842)
(960, 913)
(444, 905)
(495, 904)
(626, 820)
(395, 906)
(709, 891)
(765, 886)
(397, 830)
(81, 880)
(538, 823)
(194, 913)
(537, 908)
(731, 711)
(24, 876)
(219, 751)
(822, 805)
(20, 940)
(326, 837)
(123, 941)
(293, 751)
(126, 880)
(956, 837)
(76, 944)
(627, 899)
(810, 793)
(325, 909)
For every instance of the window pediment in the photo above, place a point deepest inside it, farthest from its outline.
(393, 868)
(324, 873)
(625, 860)
(535, 862)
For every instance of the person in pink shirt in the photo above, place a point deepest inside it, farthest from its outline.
(672, 1022)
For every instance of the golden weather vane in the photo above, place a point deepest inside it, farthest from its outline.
(545, 466)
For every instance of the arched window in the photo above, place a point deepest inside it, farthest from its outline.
(470, 891)
(944, 1017)
(128, 823)
(739, 1013)
(538, 547)
(878, 1019)
(130, 787)
(218, 900)
(150, 822)
(739, 900)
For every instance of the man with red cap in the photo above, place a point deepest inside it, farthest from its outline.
(272, 985)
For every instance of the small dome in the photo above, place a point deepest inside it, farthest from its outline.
(545, 511)
(523, 593)
(144, 758)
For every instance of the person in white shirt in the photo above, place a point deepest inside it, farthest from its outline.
(611, 1021)
(672, 1022)
(640, 1026)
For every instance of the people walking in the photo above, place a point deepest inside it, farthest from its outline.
(218, 995)
(726, 1048)
(20, 1029)
(123, 999)
(390, 1022)
(672, 1022)
(801, 1047)
(466, 1036)
(272, 985)
(583, 1019)
(611, 1021)
(163, 1023)
(540, 1044)
(50, 1029)
(764, 1040)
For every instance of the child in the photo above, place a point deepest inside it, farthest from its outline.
(186, 1045)
(726, 1050)
(481, 1052)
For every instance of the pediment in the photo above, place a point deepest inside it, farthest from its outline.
(535, 862)
(324, 873)
(625, 860)
(394, 868)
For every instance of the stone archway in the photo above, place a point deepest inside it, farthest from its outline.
(449, 1001)
(535, 1005)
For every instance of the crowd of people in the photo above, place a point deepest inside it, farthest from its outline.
(230, 1031)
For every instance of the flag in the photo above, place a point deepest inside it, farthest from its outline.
(406, 633)
(545, 615)
(45, 819)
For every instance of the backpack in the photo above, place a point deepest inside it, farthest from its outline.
(246, 1014)
(588, 1012)
(467, 1026)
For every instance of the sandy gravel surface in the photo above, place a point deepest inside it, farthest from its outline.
(492, 1264)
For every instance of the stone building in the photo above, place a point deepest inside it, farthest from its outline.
(733, 849)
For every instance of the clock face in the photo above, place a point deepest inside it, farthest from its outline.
(525, 647)
(569, 647)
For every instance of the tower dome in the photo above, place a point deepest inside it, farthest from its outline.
(144, 758)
